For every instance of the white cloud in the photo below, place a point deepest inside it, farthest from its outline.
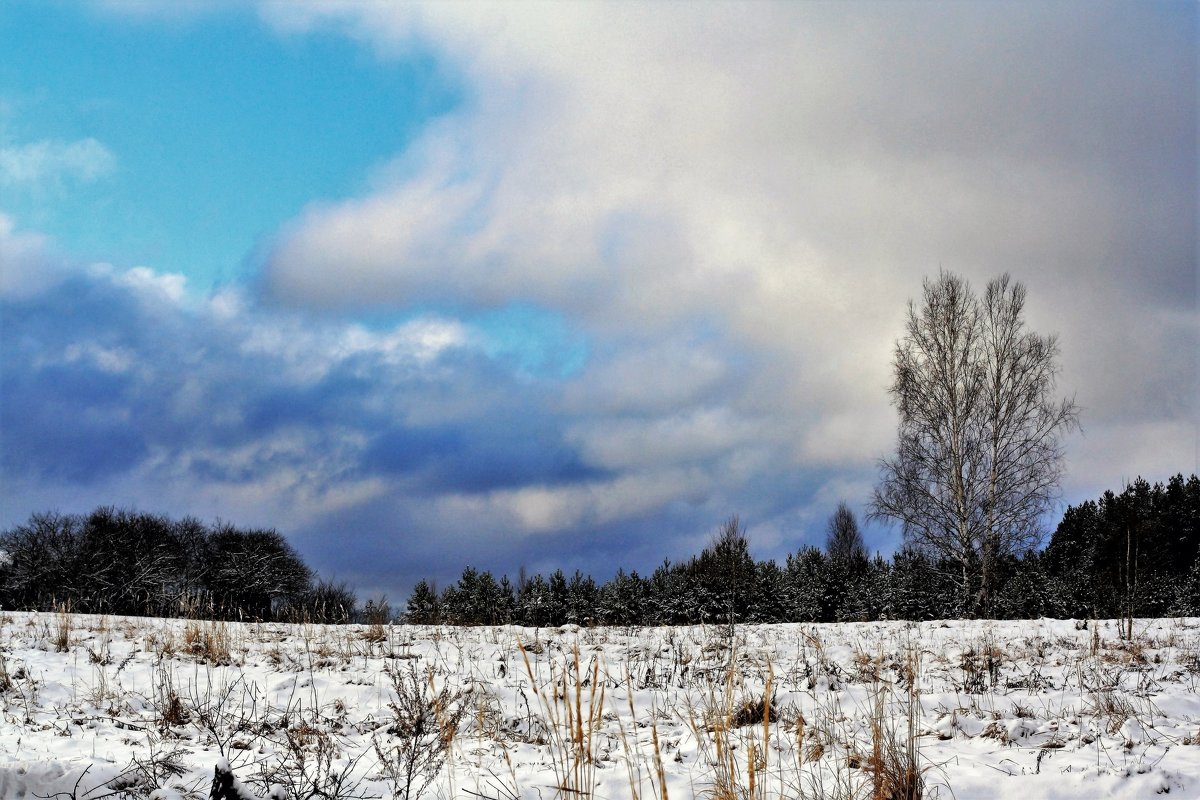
(51, 163)
(28, 263)
(170, 285)
(694, 436)
(532, 510)
(655, 378)
(114, 360)
(310, 350)
(781, 175)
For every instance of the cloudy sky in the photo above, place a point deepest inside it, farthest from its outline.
(566, 285)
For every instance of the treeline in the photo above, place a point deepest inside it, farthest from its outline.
(123, 562)
(1132, 554)
(1128, 554)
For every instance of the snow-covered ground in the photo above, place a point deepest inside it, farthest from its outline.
(94, 706)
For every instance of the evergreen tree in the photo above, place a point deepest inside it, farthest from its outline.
(1187, 596)
(507, 602)
(670, 596)
(1026, 592)
(864, 594)
(918, 589)
(622, 600)
(1126, 554)
(555, 606)
(770, 593)
(724, 574)
(533, 595)
(808, 587)
(487, 600)
(580, 605)
(1071, 560)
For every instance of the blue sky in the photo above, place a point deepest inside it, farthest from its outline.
(565, 286)
(216, 131)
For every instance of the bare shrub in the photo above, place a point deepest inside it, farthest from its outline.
(146, 773)
(1114, 708)
(313, 766)
(425, 723)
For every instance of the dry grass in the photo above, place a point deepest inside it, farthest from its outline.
(375, 633)
(1113, 709)
(733, 731)
(208, 642)
(896, 772)
(161, 642)
(707, 712)
(572, 724)
(61, 632)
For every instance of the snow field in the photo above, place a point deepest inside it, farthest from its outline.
(111, 706)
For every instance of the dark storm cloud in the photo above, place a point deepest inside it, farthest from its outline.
(506, 453)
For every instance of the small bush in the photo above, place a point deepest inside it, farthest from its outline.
(425, 724)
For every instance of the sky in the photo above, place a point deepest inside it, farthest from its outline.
(567, 285)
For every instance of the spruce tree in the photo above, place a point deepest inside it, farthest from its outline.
(423, 607)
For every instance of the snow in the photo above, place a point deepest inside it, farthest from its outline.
(1027, 709)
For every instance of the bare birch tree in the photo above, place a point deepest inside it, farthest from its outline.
(979, 455)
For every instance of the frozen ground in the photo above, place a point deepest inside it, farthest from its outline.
(96, 707)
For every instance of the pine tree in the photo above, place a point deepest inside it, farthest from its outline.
(622, 600)
(423, 606)
(769, 602)
(507, 602)
(670, 596)
(580, 605)
(532, 602)
(724, 575)
(1187, 595)
(808, 589)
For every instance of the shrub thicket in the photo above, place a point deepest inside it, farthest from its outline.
(124, 562)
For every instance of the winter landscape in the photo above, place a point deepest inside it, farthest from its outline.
(738, 400)
(99, 706)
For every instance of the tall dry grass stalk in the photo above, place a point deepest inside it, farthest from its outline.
(896, 773)
(572, 724)
(61, 634)
(734, 736)
(634, 758)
